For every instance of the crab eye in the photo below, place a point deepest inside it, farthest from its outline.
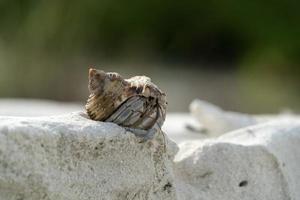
(113, 76)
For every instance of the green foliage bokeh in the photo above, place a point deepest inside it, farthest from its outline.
(258, 39)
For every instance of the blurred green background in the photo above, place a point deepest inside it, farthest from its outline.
(241, 55)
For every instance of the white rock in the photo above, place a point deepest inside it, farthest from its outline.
(218, 121)
(259, 162)
(71, 157)
(182, 127)
(176, 124)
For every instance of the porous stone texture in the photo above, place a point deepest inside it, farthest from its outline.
(176, 125)
(72, 157)
(257, 162)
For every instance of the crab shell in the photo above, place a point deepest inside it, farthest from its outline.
(108, 91)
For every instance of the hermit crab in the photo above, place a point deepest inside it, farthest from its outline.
(136, 103)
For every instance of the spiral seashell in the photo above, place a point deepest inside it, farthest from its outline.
(134, 102)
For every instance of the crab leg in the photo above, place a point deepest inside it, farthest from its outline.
(149, 134)
(126, 111)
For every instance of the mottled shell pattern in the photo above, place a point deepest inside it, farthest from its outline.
(134, 102)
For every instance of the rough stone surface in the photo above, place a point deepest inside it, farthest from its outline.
(175, 125)
(258, 162)
(72, 157)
